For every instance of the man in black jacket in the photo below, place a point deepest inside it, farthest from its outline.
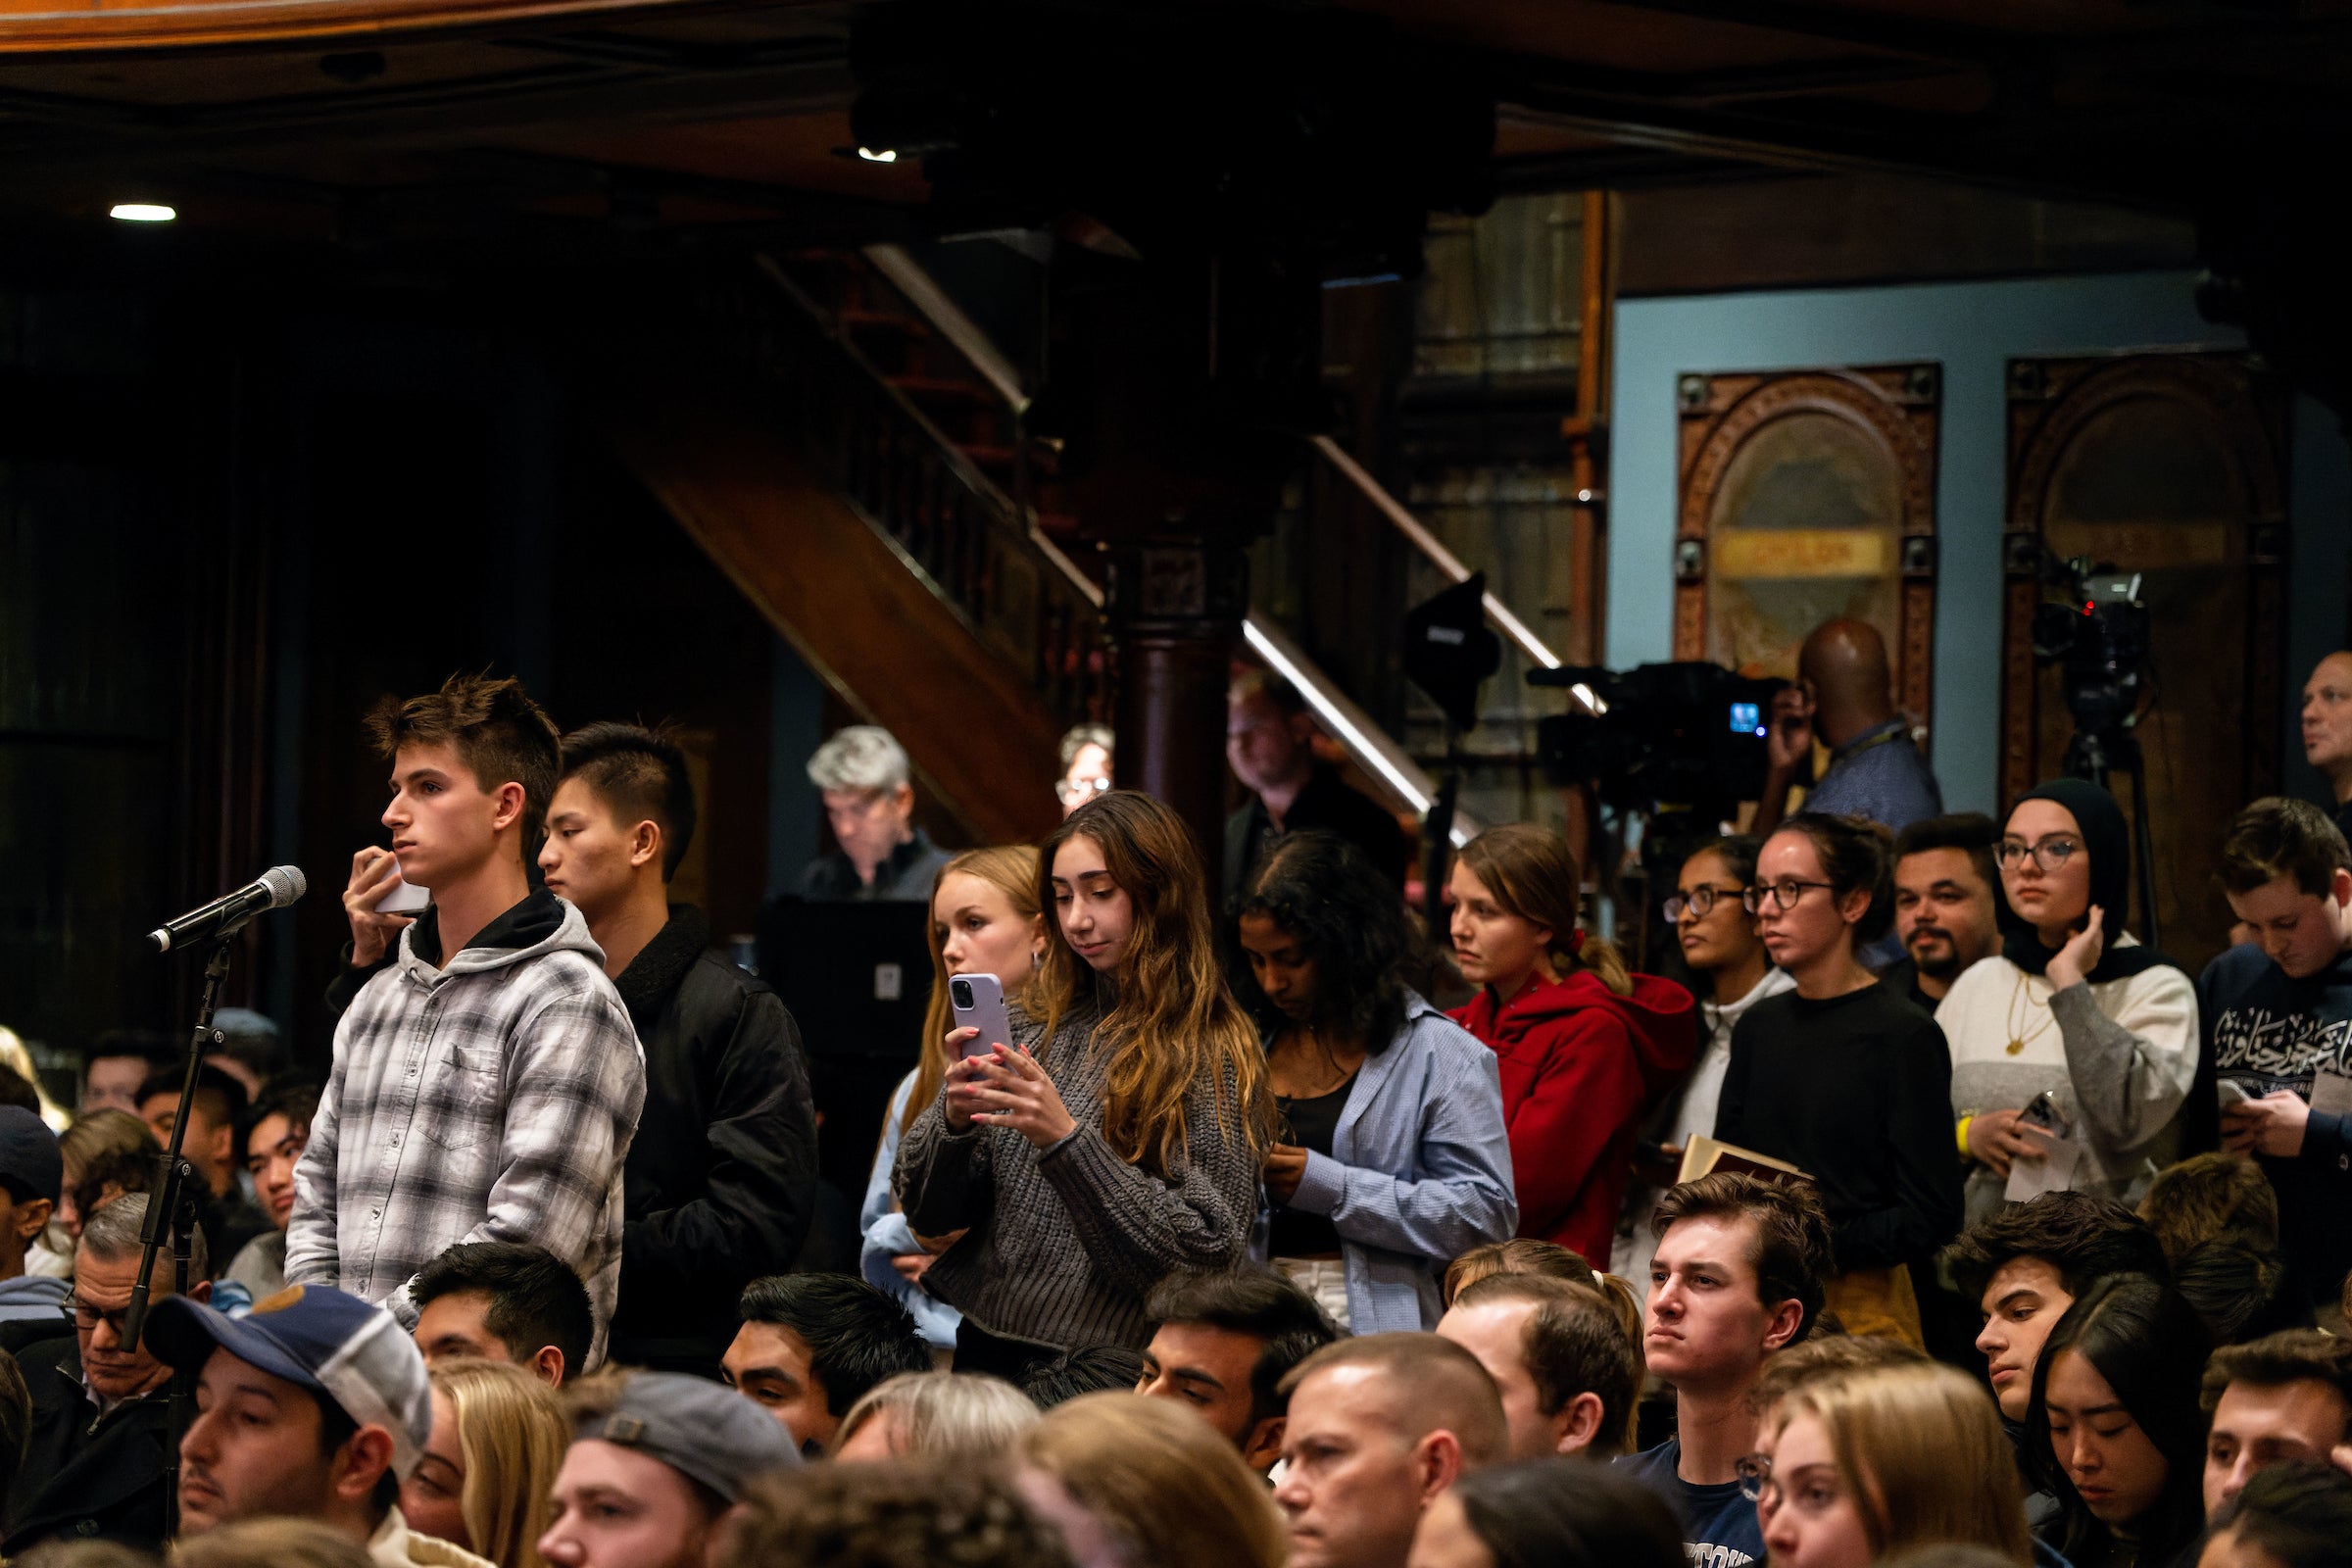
(720, 1175)
(100, 1420)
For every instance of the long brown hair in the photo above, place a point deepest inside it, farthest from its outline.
(1010, 868)
(1531, 872)
(1173, 1023)
(1160, 1479)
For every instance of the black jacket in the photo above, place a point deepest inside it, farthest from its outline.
(720, 1177)
(86, 1478)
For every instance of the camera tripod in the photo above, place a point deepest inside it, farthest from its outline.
(2095, 754)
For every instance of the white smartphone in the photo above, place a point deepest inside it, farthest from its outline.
(978, 1002)
(405, 897)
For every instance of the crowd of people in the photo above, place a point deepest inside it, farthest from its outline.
(1922, 1214)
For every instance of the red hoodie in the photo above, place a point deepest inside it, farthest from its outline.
(1580, 1064)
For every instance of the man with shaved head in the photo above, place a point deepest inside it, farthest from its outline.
(2328, 731)
(1380, 1427)
(1844, 694)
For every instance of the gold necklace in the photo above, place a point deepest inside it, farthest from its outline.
(2019, 1035)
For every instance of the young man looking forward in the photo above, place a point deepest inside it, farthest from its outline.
(487, 1080)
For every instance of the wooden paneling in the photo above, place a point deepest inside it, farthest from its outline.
(848, 600)
(1807, 495)
(2173, 466)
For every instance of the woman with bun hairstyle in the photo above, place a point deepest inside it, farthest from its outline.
(1842, 1077)
(985, 919)
(1116, 1137)
(1585, 1047)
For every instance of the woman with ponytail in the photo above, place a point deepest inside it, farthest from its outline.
(1585, 1046)
(1116, 1137)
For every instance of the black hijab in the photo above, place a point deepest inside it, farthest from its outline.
(2107, 842)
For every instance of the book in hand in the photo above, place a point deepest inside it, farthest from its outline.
(1702, 1155)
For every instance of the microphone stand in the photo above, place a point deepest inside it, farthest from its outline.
(171, 1215)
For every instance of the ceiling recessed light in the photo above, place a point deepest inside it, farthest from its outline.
(885, 156)
(142, 212)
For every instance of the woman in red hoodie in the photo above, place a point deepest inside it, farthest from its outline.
(1585, 1046)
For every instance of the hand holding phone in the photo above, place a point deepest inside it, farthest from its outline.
(978, 1002)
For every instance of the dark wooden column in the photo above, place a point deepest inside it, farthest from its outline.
(1176, 611)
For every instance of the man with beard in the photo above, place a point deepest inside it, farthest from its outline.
(1947, 909)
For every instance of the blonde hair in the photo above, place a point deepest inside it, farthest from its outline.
(1160, 1480)
(1175, 1023)
(1900, 1436)
(944, 1415)
(1530, 872)
(19, 1061)
(512, 1431)
(1010, 868)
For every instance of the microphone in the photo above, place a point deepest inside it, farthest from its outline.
(273, 888)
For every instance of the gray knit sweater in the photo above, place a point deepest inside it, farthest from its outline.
(1066, 1242)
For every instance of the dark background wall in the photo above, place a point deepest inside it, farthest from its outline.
(228, 528)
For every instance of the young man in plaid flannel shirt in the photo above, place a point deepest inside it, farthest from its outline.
(487, 1080)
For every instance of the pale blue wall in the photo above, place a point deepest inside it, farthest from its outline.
(1972, 329)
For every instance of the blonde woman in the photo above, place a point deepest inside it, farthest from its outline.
(985, 919)
(487, 1476)
(1860, 1465)
(1138, 1483)
(949, 1416)
(1118, 1137)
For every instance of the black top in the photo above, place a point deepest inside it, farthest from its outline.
(907, 874)
(1902, 978)
(1323, 802)
(2265, 1031)
(718, 1186)
(1856, 1091)
(86, 1477)
(1312, 1123)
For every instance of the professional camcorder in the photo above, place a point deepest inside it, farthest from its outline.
(1685, 736)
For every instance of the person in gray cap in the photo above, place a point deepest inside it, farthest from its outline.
(658, 1461)
(313, 1405)
(32, 1175)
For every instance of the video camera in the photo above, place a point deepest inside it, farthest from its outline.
(2099, 634)
(1684, 736)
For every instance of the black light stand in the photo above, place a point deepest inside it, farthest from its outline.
(171, 1215)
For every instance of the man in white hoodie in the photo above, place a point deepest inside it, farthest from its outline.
(487, 1080)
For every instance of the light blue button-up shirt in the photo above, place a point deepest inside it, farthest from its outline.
(1419, 1170)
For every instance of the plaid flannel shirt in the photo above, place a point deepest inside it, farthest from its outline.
(490, 1101)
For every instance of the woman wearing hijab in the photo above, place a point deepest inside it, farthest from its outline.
(2073, 1008)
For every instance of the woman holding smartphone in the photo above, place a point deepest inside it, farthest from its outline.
(1394, 1159)
(2073, 1007)
(985, 919)
(1117, 1138)
(1840, 1076)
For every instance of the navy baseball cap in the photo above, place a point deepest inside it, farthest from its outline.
(28, 1156)
(705, 1431)
(320, 1338)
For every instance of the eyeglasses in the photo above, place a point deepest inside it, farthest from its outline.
(87, 1317)
(1783, 894)
(2051, 854)
(1697, 902)
(1074, 791)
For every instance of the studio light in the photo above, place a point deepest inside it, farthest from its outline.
(142, 213)
(885, 156)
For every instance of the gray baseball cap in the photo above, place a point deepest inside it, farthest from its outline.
(705, 1431)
